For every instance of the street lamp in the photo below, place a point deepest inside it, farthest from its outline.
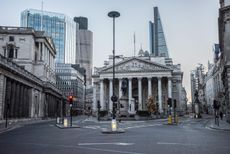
(113, 14)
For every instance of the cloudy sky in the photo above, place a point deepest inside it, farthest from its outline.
(190, 26)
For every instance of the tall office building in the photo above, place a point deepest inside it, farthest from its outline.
(84, 47)
(60, 27)
(70, 80)
(158, 47)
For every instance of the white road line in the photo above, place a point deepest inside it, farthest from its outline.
(110, 151)
(141, 126)
(92, 127)
(171, 143)
(81, 147)
(113, 143)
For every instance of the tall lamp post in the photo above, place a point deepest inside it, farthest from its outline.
(113, 14)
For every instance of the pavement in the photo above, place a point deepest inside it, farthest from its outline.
(140, 137)
(16, 123)
(86, 122)
(223, 125)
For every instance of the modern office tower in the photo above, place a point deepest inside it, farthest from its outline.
(70, 80)
(84, 47)
(158, 47)
(60, 27)
(82, 21)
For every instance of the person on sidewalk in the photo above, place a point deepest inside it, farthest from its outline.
(221, 115)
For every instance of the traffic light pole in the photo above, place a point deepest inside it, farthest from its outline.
(71, 115)
(174, 107)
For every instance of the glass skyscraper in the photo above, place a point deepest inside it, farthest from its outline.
(60, 27)
(158, 46)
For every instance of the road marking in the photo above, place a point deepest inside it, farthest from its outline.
(113, 143)
(171, 143)
(92, 127)
(141, 126)
(110, 151)
(81, 147)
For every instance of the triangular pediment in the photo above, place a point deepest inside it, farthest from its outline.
(136, 65)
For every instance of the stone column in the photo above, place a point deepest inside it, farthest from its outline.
(110, 94)
(17, 95)
(13, 102)
(94, 97)
(149, 87)
(21, 101)
(140, 106)
(180, 94)
(130, 93)
(169, 87)
(102, 103)
(2, 95)
(120, 92)
(160, 94)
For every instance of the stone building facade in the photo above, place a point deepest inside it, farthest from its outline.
(146, 77)
(27, 75)
(224, 41)
(30, 49)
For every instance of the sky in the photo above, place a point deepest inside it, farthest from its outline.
(190, 26)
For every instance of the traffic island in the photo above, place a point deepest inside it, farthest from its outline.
(61, 126)
(66, 124)
(114, 128)
(110, 131)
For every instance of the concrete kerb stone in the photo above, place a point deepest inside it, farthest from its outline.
(63, 127)
(223, 126)
(110, 131)
(16, 123)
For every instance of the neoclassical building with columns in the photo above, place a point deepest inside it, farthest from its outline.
(146, 76)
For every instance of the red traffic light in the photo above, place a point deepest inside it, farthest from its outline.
(70, 98)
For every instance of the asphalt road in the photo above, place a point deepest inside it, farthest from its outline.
(141, 137)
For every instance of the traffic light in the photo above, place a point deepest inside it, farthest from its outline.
(169, 102)
(115, 105)
(98, 105)
(70, 98)
(174, 103)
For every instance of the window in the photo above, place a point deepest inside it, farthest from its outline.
(11, 52)
(16, 53)
(4, 52)
(11, 38)
(35, 57)
(23, 67)
(22, 39)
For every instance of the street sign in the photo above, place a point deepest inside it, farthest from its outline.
(114, 98)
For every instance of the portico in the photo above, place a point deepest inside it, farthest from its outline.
(144, 78)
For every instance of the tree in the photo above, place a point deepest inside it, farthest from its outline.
(151, 105)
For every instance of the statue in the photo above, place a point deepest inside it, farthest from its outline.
(123, 100)
(124, 86)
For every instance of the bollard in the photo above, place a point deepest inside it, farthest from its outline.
(169, 119)
(114, 125)
(58, 120)
(65, 122)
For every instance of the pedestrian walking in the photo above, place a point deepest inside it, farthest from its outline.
(221, 115)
